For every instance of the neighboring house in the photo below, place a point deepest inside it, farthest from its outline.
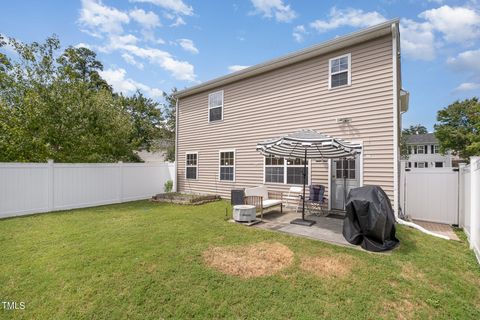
(424, 152)
(152, 156)
(349, 87)
(158, 152)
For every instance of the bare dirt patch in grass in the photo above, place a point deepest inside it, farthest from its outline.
(402, 309)
(328, 266)
(410, 272)
(255, 260)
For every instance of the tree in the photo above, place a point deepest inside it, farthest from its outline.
(170, 110)
(413, 129)
(148, 122)
(458, 129)
(58, 107)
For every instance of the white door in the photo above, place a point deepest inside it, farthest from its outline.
(345, 176)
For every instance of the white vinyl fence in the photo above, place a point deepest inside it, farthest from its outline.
(469, 202)
(430, 194)
(27, 188)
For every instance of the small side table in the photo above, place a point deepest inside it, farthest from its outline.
(244, 213)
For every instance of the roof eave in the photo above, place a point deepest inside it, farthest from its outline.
(305, 54)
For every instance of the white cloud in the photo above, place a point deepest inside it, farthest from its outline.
(95, 17)
(467, 61)
(180, 70)
(176, 6)
(274, 8)
(468, 86)
(299, 32)
(347, 17)
(178, 22)
(457, 24)
(187, 45)
(116, 78)
(236, 67)
(148, 20)
(83, 45)
(131, 60)
(417, 40)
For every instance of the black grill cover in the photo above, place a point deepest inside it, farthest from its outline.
(370, 221)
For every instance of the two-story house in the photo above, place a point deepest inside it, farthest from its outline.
(424, 152)
(349, 87)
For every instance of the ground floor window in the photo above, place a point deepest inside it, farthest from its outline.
(438, 164)
(421, 164)
(191, 165)
(280, 170)
(227, 165)
(274, 170)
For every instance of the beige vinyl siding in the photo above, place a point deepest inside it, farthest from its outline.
(288, 99)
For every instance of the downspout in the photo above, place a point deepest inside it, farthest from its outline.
(395, 118)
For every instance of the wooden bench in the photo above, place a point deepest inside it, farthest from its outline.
(262, 199)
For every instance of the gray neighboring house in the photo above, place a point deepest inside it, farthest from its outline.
(424, 152)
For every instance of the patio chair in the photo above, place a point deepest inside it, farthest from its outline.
(261, 198)
(293, 198)
(316, 202)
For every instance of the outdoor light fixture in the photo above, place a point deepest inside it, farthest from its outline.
(344, 120)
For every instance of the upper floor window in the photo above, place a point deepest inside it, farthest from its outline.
(227, 165)
(215, 106)
(191, 165)
(420, 149)
(436, 148)
(339, 74)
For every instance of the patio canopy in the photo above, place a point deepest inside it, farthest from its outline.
(308, 144)
(315, 145)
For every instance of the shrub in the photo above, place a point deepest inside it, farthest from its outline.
(168, 186)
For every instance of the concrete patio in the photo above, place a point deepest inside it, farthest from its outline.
(327, 229)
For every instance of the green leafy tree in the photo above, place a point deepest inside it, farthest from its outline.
(58, 107)
(458, 128)
(413, 129)
(147, 120)
(170, 109)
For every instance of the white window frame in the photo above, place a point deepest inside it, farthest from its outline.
(191, 166)
(421, 147)
(436, 149)
(349, 71)
(285, 170)
(210, 107)
(265, 166)
(220, 166)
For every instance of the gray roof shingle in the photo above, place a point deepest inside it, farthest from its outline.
(428, 138)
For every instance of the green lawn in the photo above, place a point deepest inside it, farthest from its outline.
(144, 260)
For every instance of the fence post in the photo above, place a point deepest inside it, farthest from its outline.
(120, 180)
(50, 182)
(474, 202)
(461, 195)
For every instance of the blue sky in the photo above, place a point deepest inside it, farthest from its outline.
(154, 45)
